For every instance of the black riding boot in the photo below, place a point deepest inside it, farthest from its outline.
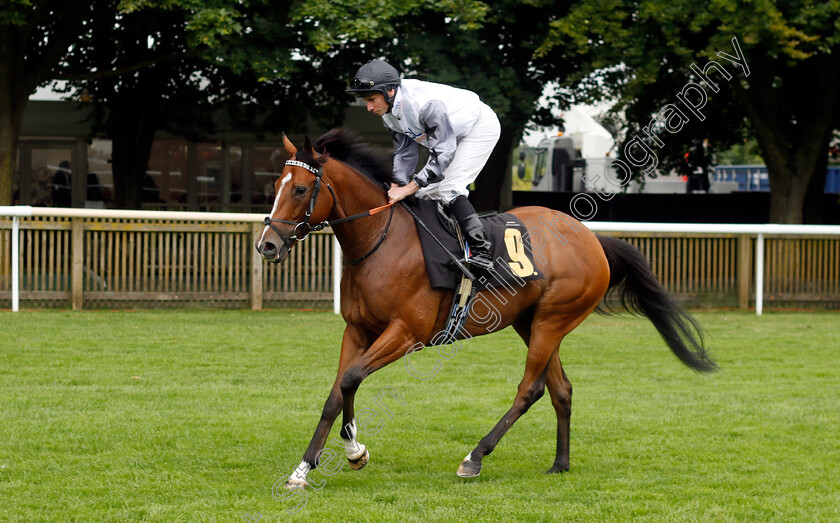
(474, 233)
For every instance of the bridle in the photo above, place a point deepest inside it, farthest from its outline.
(306, 229)
(308, 214)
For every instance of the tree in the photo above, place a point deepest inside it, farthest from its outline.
(137, 68)
(304, 53)
(785, 94)
(34, 36)
(174, 69)
(44, 40)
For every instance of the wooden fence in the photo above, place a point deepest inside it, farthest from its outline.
(114, 263)
(718, 269)
(83, 262)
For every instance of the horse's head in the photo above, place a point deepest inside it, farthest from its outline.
(301, 205)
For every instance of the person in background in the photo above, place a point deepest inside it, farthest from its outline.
(61, 192)
(698, 159)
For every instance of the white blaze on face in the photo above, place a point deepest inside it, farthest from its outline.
(283, 183)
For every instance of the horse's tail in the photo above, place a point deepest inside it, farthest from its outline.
(641, 293)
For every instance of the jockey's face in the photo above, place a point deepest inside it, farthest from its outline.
(376, 104)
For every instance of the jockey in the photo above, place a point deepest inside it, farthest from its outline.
(458, 129)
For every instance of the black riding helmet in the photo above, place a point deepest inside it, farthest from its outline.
(376, 76)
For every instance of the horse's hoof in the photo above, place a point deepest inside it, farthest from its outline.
(556, 469)
(293, 483)
(361, 461)
(469, 469)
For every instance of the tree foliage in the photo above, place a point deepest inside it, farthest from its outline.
(641, 53)
(152, 66)
(34, 36)
(166, 65)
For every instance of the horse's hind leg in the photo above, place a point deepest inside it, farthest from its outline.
(531, 388)
(542, 331)
(560, 391)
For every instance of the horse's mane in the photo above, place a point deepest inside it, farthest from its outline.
(346, 146)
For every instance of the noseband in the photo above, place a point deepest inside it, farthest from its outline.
(304, 225)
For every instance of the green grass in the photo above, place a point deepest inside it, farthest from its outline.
(192, 416)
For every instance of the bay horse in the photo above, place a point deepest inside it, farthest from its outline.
(391, 309)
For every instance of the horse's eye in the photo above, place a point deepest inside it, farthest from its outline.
(300, 190)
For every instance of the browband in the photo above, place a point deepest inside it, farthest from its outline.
(306, 166)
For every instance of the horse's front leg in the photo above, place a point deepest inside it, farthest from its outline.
(356, 364)
(352, 348)
(392, 345)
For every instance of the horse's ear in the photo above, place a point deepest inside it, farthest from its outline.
(307, 146)
(290, 148)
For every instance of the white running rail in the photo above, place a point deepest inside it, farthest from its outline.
(760, 231)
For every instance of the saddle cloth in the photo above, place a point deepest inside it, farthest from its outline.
(510, 250)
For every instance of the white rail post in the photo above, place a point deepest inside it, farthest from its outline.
(15, 263)
(759, 274)
(336, 255)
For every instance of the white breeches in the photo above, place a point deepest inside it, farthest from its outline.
(472, 153)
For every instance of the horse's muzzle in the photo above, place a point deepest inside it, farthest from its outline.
(271, 252)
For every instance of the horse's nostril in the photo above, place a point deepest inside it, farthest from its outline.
(269, 248)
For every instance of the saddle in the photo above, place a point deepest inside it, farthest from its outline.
(443, 246)
(441, 241)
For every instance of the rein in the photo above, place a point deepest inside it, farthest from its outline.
(320, 226)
